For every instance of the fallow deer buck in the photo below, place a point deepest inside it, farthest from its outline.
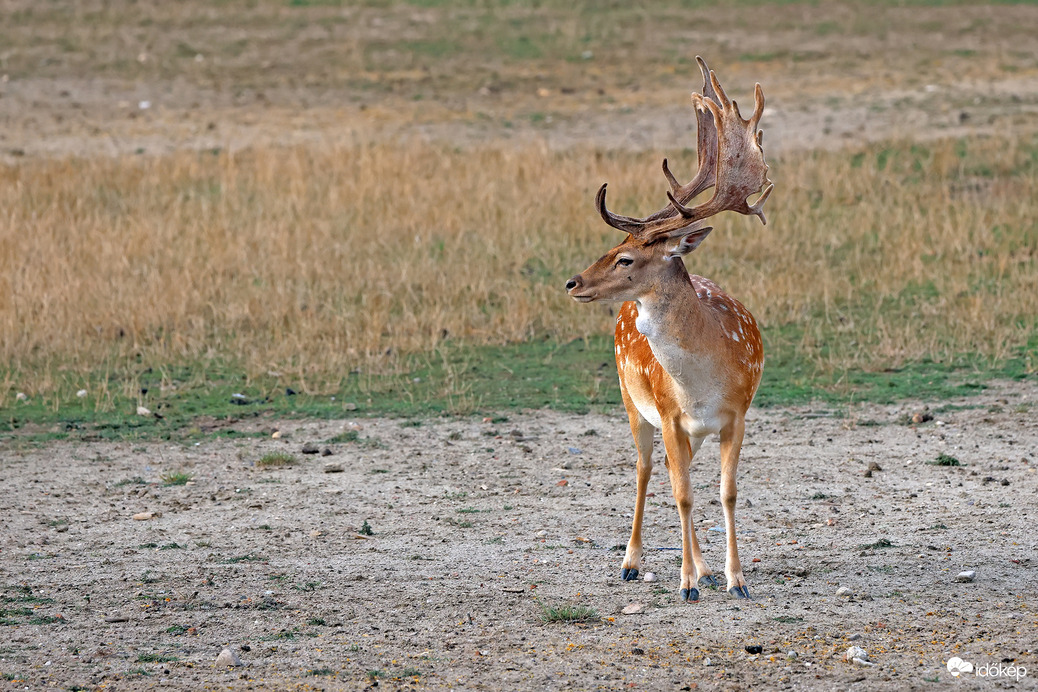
(689, 356)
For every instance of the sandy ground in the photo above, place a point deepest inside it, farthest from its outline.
(477, 527)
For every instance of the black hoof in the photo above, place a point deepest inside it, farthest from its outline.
(740, 592)
(628, 574)
(708, 580)
(690, 595)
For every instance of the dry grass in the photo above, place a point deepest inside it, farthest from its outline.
(316, 262)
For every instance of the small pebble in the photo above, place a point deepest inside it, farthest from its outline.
(967, 576)
(873, 466)
(754, 649)
(81, 393)
(854, 637)
(326, 452)
(707, 661)
(857, 655)
(332, 468)
(844, 591)
(143, 411)
(634, 609)
(650, 576)
(791, 655)
(117, 618)
(145, 516)
(228, 658)
(20, 396)
(311, 448)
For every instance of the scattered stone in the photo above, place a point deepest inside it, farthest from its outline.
(574, 450)
(311, 448)
(844, 592)
(276, 435)
(868, 473)
(634, 609)
(857, 656)
(81, 394)
(638, 652)
(20, 396)
(145, 516)
(649, 577)
(117, 618)
(754, 649)
(854, 637)
(923, 417)
(327, 452)
(707, 662)
(350, 406)
(541, 534)
(228, 659)
(967, 576)
(791, 655)
(143, 411)
(331, 467)
(873, 466)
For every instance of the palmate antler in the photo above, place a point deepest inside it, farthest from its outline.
(731, 160)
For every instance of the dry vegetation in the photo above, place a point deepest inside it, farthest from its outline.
(345, 246)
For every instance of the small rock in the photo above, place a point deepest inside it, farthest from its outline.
(873, 466)
(228, 659)
(574, 450)
(332, 468)
(143, 411)
(276, 435)
(868, 473)
(20, 396)
(921, 417)
(350, 406)
(327, 452)
(541, 534)
(967, 576)
(634, 609)
(117, 618)
(857, 655)
(707, 662)
(311, 448)
(145, 516)
(754, 649)
(81, 394)
(791, 655)
(649, 577)
(844, 592)
(638, 652)
(854, 637)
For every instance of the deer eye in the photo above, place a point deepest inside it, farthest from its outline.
(624, 262)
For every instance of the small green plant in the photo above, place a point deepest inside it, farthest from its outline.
(365, 529)
(172, 546)
(945, 460)
(408, 673)
(568, 613)
(939, 526)
(819, 496)
(878, 545)
(143, 672)
(156, 658)
(275, 459)
(375, 674)
(322, 672)
(177, 629)
(249, 557)
(136, 480)
(347, 436)
(176, 478)
(317, 622)
(787, 619)
(308, 586)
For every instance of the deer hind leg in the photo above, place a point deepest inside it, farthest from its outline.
(680, 450)
(642, 431)
(731, 444)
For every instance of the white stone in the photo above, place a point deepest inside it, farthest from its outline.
(967, 576)
(228, 659)
(634, 609)
(649, 577)
(844, 592)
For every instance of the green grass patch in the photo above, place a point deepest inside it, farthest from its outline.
(176, 478)
(275, 460)
(945, 460)
(249, 557)
(156, 658)
(878, 545)
(568, 613)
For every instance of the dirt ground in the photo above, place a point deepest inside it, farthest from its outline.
(480, 528)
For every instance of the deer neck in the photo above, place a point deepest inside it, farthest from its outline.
(671, 318)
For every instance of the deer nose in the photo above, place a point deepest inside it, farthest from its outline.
(574, 282)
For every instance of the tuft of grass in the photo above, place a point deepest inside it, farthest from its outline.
(878, 545)
(568, 613)
(176, 478)
(275, 460)
(157, 658)
(322, 672)
(945, 460)
(248, 557)
(365, 529)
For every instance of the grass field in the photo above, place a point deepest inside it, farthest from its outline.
(386, 272)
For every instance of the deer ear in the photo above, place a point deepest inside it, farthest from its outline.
(687, 242)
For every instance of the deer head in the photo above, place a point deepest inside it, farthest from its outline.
(731, 160)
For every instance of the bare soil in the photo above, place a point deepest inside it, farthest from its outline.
(480, 528)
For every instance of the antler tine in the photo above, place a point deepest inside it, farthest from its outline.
(758, 108)
(674, 184)
(620, 223)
